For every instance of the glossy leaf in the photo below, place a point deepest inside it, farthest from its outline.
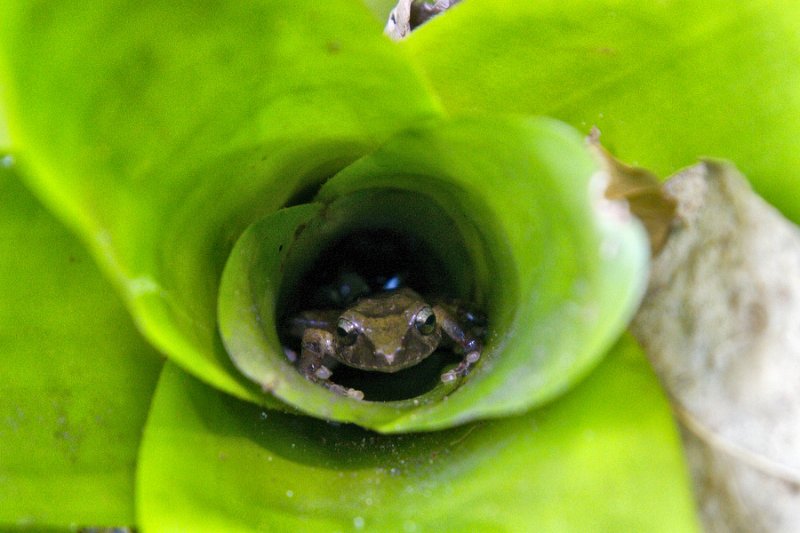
(380, 8)
(160, 130)
(77, 378)
(557, 270)
(603, 458)
(5, 141)
(665, 82)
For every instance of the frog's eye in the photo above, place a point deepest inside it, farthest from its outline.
(425, 321)
(346, 331)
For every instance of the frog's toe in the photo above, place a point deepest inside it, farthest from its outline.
(323, 372)
(338, 389)
(291, 355)
(449, 376)
(344, 391)
(355, 394)
(463, 367)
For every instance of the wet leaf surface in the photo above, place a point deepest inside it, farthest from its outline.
(615, 466)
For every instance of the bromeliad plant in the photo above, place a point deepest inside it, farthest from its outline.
(211, 158)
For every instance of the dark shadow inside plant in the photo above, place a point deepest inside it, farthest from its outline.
(369, 243)
(323, 444)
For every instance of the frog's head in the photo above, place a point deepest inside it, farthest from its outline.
(387, 332)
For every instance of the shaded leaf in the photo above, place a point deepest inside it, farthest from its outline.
(76, 380)
(604, 457)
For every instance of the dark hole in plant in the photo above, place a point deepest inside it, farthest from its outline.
(362, 263)
(380, 258)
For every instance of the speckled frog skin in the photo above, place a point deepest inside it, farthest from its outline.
(384, 332)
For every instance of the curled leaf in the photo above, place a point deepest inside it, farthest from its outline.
(510, 210)
(643, 192)
(187, 124)
(666, 82)
(720, 323)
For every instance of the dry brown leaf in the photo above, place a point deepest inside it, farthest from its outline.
(407, 15)
(721, 325)
(643, 192)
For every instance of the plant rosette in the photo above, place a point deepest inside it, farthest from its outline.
(212, 159)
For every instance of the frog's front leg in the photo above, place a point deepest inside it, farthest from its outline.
(315, 346)
(467, 340)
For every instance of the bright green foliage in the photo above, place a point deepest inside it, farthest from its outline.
(380, 8)
(212, 463)
(665, 82)
(179, 124)
(558, 276)
(5, 142)
(164, 133)
(75, 376)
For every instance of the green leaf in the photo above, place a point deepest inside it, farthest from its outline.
(5, 140)
(380, 8)
(665, 82)
(77, 378)
(160, 130)
(605, 457)
(515, 218)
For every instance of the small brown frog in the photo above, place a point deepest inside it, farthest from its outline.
(385, 332)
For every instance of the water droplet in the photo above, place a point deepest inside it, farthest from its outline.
(368, 501)
(264, 415)
(358, 522)
(289, 493)
(7, 161)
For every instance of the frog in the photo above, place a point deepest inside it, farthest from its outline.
(385, 331)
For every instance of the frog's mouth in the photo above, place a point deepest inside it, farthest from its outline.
(390, 363)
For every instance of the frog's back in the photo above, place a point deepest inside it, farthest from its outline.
(388, 303)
